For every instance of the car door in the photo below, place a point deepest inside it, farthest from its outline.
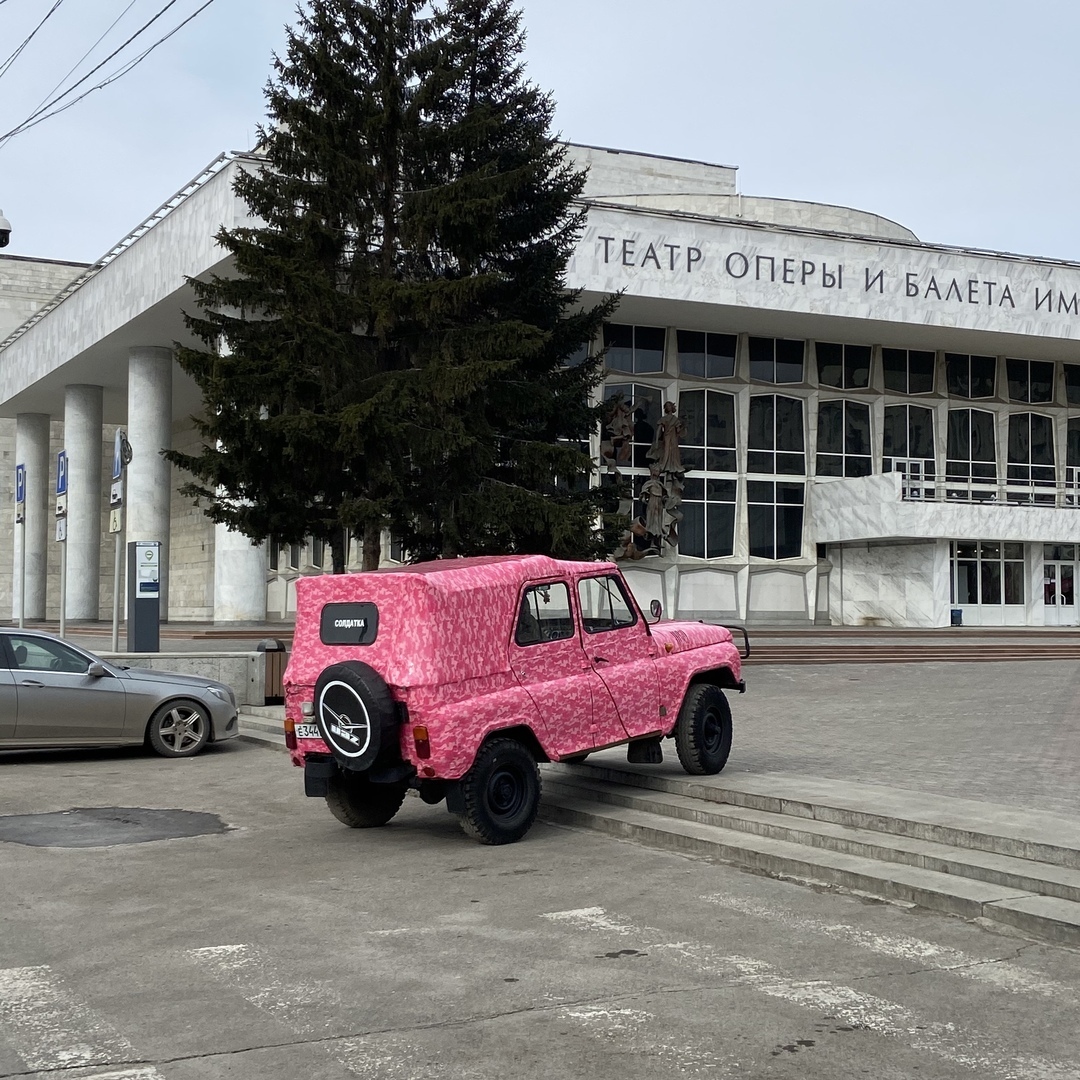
(621, 651)
(547, 656)
(8, 697)
(58, 701)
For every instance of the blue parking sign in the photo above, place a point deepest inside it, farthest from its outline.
(20, 483)
(61, 473)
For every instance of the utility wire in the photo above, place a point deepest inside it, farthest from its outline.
(48, 111)
(26, 41)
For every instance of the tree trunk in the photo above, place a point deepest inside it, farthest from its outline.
(337, 550)
(372, 547)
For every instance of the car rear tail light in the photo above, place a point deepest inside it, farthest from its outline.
(420, 741)
(290, 734)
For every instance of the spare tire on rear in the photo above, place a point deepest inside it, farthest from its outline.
(356, 714)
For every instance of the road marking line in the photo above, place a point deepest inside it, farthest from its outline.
(866, 1011)
(1002, 974)
(49, 1029)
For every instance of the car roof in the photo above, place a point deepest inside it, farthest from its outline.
(452, 575)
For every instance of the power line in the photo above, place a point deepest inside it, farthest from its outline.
(26, 41)
(47, 111)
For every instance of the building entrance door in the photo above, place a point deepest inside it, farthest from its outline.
(1059, 598)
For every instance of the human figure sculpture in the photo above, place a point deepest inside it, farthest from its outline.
(665, 447)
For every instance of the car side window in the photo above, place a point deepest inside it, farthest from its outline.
(41, 654)
(604, 605)
(544, 614)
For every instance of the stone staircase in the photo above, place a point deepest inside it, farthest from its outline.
(263, 724)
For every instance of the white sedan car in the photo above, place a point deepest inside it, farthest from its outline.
(53, 693)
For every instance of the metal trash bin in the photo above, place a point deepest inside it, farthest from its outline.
(276, 659)
(957, 617)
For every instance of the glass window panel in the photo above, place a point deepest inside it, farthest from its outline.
(1072, 384)
(967, 550)
(761, 525)
(789, 361)
(856, 366)
(1020, 439)
(990, 549)
(544, 615)
(983, 470)
(857, 466)
(759, 462)
(720, 490)
(789, 424)
(694, 457)
(1042, 440)
(691, 348)
(721, 520)
(958, 439)
(720, 355)
(694, 488)
(967, 582)
(920, 372)
(1072, 437)
(692, 411)
(894, 434)
(991, 582)
(789, 521)
(921, 432)
(762, 357)
(692, 530)
(721, 420)
(619, 342)
(982, 376)
(857, 428)
(830, 465)
(1017, 371)
(761, 433)
(831, 427)
(790, 464)
(1013, 551)
(604, 605)
(958, 374)
(790, 493)
(1042, 381)
(648, 348)
(830, 362)
(982, 436)
(894, 365)
(1014, 583)
(760, 491)
(720, 460)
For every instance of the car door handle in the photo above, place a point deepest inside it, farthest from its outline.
(31, 682)
(601, 660)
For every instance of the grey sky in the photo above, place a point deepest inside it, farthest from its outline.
(950, 116)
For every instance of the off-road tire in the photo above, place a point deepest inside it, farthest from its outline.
(360, 804)
(370, 697)
(501, 793)
(178, 729)
(703, 730)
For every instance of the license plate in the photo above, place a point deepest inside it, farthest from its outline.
(307, 731)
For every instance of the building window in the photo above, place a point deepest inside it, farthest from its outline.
(987, 572)
(295, 554)
(843, 441)
(1072, 444)
(318, 552)
(636, 349)
(707, 530)
(775, 513)
(908, 436)
(577, 357)
(776, 443)
(709, 441)
(970, 376)
(1072, 383)
(645, 404)
(970, 455)
(908, 371)
(1030, 380)
(1031, 453)
(847, 367)
(706, 356)
(776, 360)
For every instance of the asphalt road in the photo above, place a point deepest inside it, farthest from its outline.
(287, 947)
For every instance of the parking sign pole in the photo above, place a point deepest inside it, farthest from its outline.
(116, 594)
(22, 573)
(116, 526)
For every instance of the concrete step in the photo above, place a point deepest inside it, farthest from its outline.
(265, 730)
(1004, 871)
(1047, 918)
(958, 823)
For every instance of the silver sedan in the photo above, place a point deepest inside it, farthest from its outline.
(53, 693)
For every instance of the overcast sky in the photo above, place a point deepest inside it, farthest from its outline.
(953, 117)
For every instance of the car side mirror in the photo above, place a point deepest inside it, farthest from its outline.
(656, 609)
(96, 670)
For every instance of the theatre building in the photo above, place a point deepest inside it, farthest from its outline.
(878, 431)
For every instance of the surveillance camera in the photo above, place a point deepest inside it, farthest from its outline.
(5, 230)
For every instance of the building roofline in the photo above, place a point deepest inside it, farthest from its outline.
(51, 262)
(655, 157)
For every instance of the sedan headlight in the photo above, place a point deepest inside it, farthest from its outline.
(224, 693)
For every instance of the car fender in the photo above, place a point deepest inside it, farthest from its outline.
(717, 664)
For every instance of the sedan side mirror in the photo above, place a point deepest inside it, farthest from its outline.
(656, 609)
(97, 670)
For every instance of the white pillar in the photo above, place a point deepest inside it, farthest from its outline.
(149, 476)
(32, 450)
(239, 577)
(82, 441)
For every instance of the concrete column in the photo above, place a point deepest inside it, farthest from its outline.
(32, 450)
(82, 441)
(148, 496)
(239, 577)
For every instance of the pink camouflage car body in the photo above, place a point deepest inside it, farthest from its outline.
(456, 677)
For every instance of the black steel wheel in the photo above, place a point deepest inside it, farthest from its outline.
(703, 730)
(501, 793)
(357, 802)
